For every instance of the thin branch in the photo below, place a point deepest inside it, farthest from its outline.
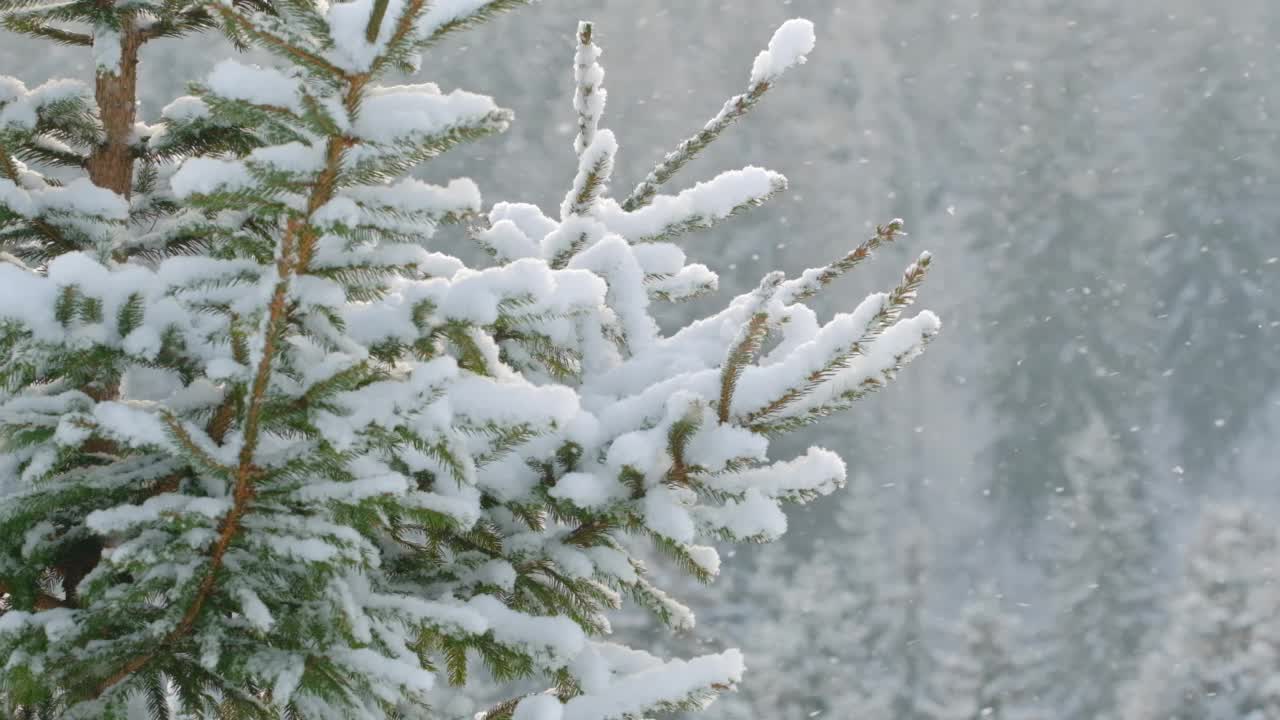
(894, 303)
(812, 282)
(375, 21)
(589, 96)
(302, 56)
(9, 167)
(732, 111)
(745, 346)
(35, 28)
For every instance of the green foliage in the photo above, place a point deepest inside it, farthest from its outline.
(281, 476)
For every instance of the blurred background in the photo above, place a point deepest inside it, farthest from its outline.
(1042, 506)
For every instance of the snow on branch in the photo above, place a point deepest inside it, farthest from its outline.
(589, 96)
(700, 207)
(443, 17)
(790, 45)
(595, 167)
(811, 281)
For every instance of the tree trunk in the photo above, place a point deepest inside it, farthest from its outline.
(111, 164)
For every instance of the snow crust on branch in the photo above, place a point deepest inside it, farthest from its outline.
(789, 46)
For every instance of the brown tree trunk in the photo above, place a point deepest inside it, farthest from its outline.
(111, 164)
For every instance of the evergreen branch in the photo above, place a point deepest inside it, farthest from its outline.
(562, 259)
(54, 237)
(811, 282)
(678, 438)
(34, 27)
(890, 310)
(590, 182)
(375, 20)
(506, 439)
(279, 44)
(179, 25)
(679, 553)
(762, 78)
(245, 473)
(733, 110)
(404, 26)
(664, 607)
(43, 600)
(502, 711)
(589, 96)
(51, 156)
(8, 166)
(8, 6)
(845, 400)
(708, 221)
(296, 247)
(743, 349)
(484, 13)
(184, 439)
(592, 533)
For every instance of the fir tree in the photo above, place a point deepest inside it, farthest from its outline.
(1221, 655)
(1103, 586)
(267, 452)
(1063, 368)
(981, 678)
(1215, 250)
(901, 662)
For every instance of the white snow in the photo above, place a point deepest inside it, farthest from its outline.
(202, 176)
(348, 22)
(397, 673)
(704, 203)
(255, 85)
(185, 108)
(395, 113)
(19, 107)
(78, 197)
(255, 611)
(107, 49)
(675, 680)
(596, 162)
(123, 517)
(790, 46)
(132, 422)
(538, 707)
(754, 516)
(292, 157)
(442, 12)
(557, 638)
(818, 470)
(586, 490)
(590, 96)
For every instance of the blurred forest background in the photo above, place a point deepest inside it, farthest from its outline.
(1067, 508)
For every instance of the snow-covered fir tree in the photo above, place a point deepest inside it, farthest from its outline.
(901, 663)
(269, 452)
(1215, 248)
(1103, 585)
(979, 675)
(1221, 655)
(1064, 368)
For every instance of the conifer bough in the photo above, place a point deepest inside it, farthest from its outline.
(266, 451)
